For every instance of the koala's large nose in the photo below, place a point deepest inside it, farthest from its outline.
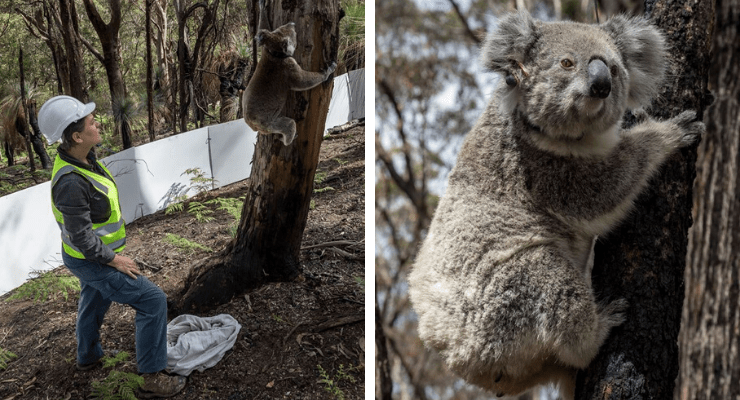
(599, 79)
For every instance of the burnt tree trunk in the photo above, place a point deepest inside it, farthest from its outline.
(231, 77)
(36, 141)
(267, 244)
(20, 122)
(643, 260)
(710, 334)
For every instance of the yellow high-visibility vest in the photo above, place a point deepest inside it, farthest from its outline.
(112, 232)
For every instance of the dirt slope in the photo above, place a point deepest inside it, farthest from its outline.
(291, 332)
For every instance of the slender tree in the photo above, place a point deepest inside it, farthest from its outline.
(70, 29)
(643, 260)
(108, 33)
(45, 25)
(267, 243)
(189, 59)
(149, 72)
(21, 123)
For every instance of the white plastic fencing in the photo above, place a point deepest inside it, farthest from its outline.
(149, 178)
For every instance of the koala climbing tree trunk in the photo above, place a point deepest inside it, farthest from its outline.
(267, 243)
(643, 261)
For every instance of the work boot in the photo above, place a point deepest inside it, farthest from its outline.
(160, 384)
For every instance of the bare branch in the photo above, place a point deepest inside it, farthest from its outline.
(464, 21)
(91, 48)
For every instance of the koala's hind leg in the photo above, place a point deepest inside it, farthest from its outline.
(282, 126)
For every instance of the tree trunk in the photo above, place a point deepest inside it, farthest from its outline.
(163, 85)
(149, 72)
(383, 380)
(75, 66)
(267, 244)
(38, 145)
(186, 73)
(710, 358)
(42, 25)
(643, 261)
(111, 57)
(189, 61)
(231, 78)
(20, 122)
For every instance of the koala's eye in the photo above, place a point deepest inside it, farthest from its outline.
(567, 63)
(614, 70)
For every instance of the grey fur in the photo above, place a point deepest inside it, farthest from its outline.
(502, 283)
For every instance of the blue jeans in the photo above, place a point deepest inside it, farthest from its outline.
(103, 284)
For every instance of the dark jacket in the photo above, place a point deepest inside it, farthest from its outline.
(82, 205)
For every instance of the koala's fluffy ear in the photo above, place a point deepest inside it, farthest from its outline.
(261, 36)
(509, 43)
(644, 53)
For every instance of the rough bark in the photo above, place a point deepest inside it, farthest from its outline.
(111, 56)
(69, 26)
(21, 124)
(643, 261)
(36, 141)
(231, 78)
(149, 71)
(267, 244)
(710, 355)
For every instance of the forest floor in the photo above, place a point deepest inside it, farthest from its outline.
(298, 340)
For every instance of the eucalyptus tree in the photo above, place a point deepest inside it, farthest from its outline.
(275, 211)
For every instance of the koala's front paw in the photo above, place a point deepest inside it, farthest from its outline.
(640, 115)
(691, 129)
(287, 138)
(331, 68)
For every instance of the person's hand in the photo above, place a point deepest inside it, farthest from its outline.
(125, 265)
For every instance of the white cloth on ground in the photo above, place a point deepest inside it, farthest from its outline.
(197, 343)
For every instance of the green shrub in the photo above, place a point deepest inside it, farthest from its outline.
(5, 357)
(46, 285)
(185, 245)
(117, 386)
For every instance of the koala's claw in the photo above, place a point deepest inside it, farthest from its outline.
(692, 130)
(641, 115)
(332, 67)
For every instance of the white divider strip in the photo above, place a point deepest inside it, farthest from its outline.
(356, 82)
(29, 235)
(339, 105)
(232, 148)
(149, 178)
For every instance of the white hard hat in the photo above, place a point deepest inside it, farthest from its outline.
(60, 111)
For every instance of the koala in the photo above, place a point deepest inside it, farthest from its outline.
(502, 282)
(277, 73)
